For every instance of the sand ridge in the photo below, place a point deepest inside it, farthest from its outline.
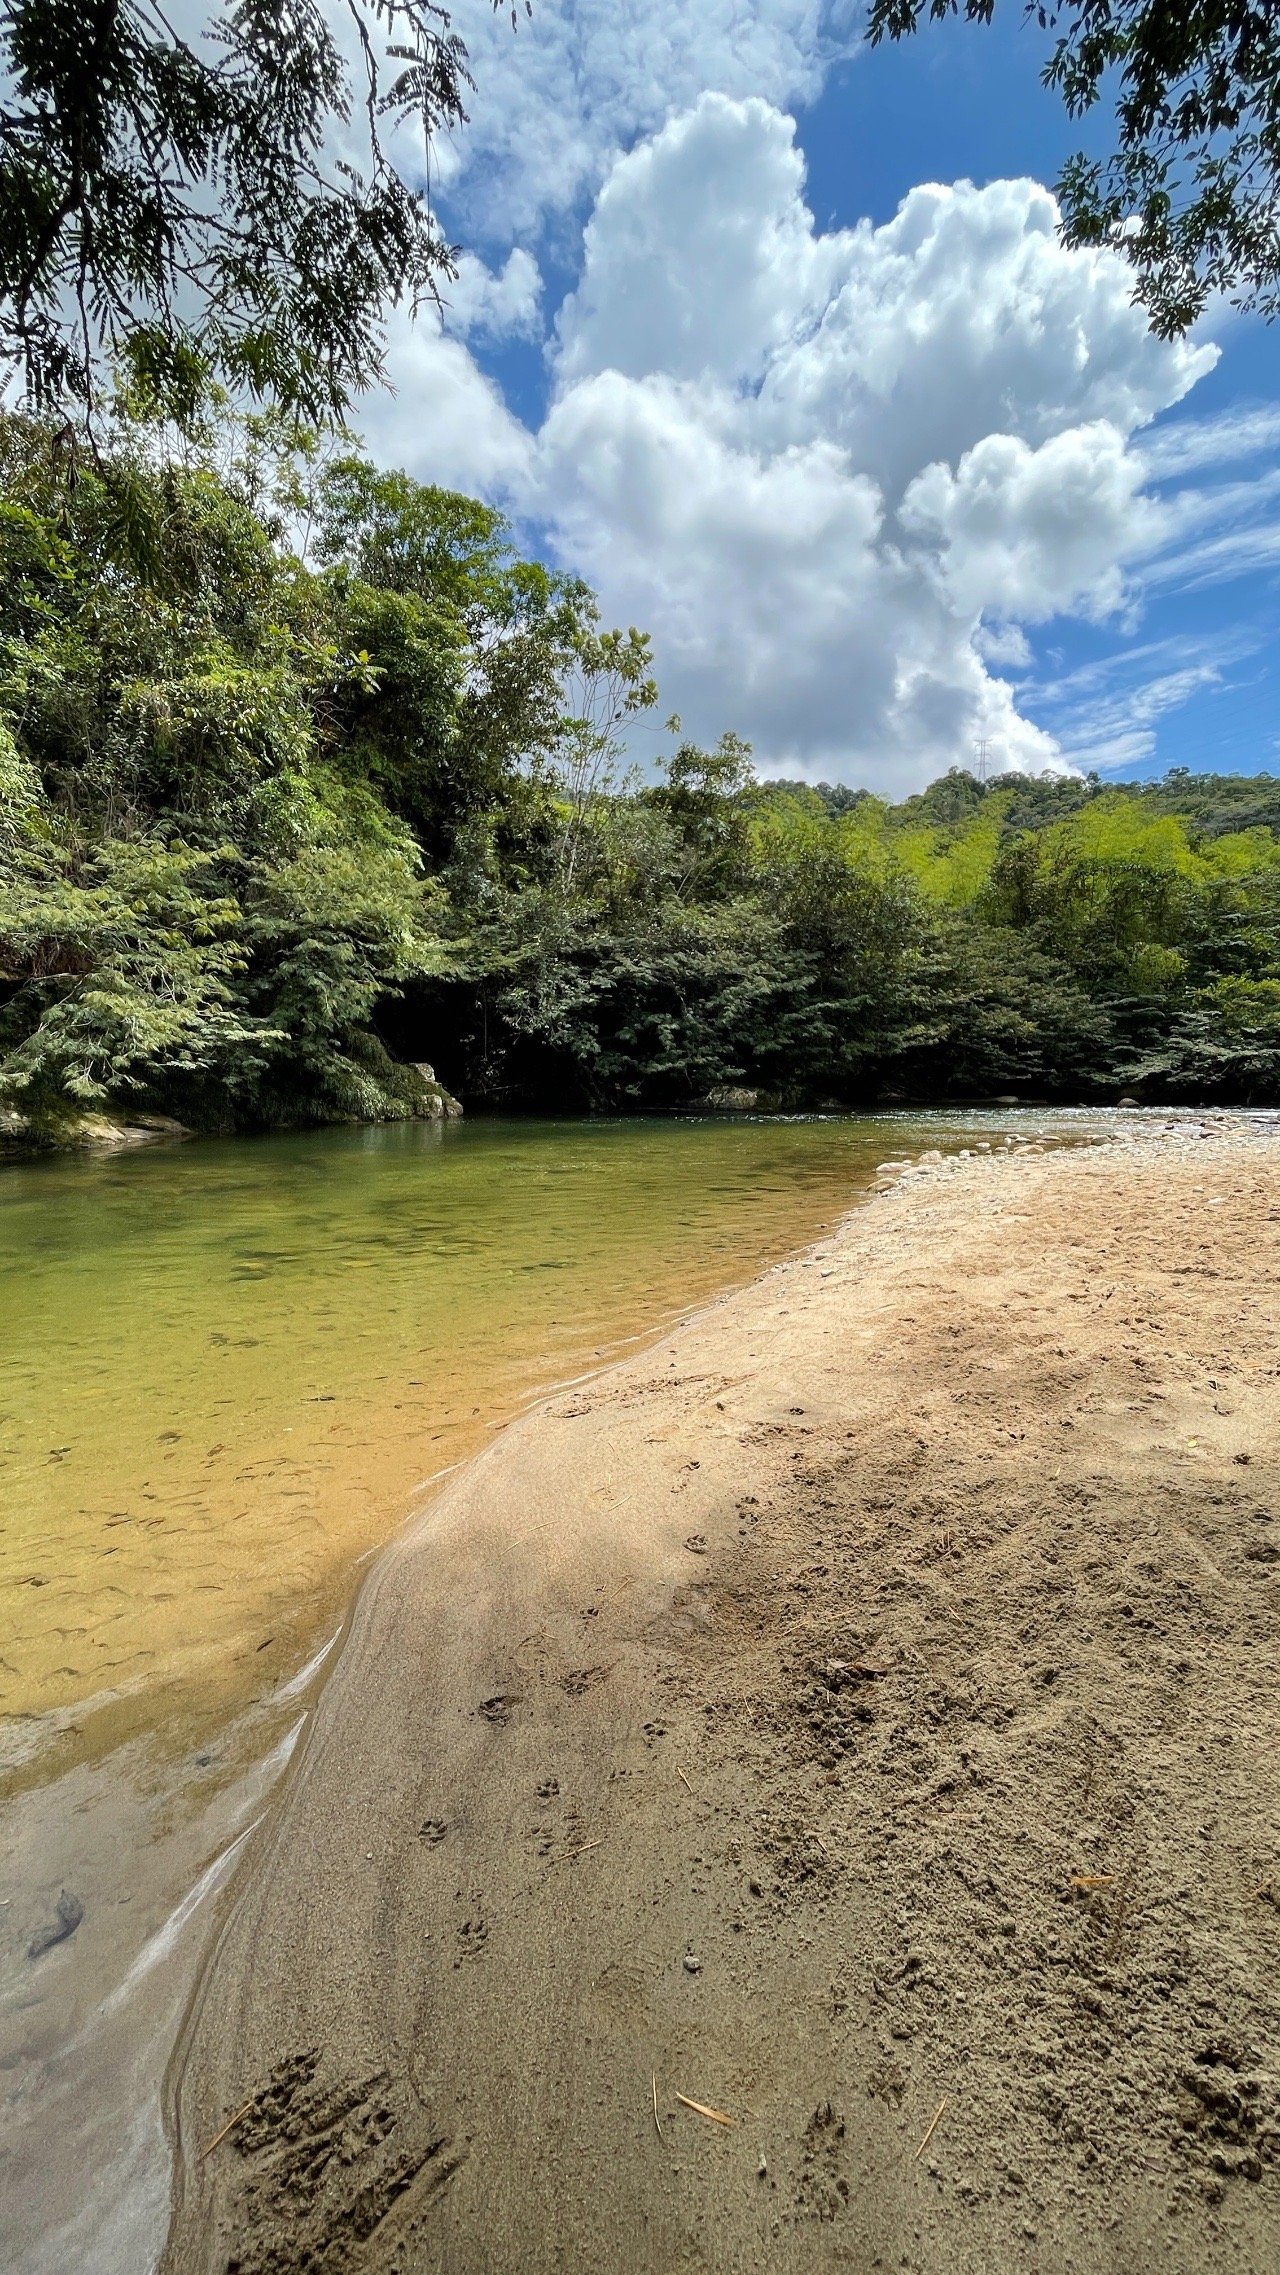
(858, 1717)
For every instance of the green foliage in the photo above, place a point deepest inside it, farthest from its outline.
(119, 964)
(211, 764)
(172, 203)
(1191, 193)
(307, 776)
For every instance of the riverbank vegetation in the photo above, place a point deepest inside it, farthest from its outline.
(308, 776)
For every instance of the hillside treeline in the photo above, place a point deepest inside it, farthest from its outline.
(307, 776)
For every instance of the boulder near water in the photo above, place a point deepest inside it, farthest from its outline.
(728, 1098)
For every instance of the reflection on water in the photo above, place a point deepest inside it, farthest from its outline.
(226, 1373)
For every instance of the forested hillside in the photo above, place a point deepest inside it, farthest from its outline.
(307, 776)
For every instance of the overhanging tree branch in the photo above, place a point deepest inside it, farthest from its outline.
(1191, 193)
(188, 207)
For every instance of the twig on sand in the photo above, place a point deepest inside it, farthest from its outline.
(932, 2129)
(229, 2127)
(570, 1853)
(700, 2109)
(1093, 1879)
(692, 1788)
(657, 2122)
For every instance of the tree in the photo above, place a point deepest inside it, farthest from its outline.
(702, 793)
(190, 208)
(543, 688)
(1191, 194)
(605, 681)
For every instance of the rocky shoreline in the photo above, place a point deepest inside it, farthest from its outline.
(117, 1130)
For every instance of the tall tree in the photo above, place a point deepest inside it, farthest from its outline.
(1191, 193)
(222, 206)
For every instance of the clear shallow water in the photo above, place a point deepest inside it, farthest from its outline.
(228, 1372)
(227, 1369)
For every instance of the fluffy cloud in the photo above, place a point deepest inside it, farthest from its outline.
(503, 304)
(559, 99)
(959, 318)
(962, 317)
(833, 472)
(442, 417)
(1030, 533)
(777, 605)
(700, 259)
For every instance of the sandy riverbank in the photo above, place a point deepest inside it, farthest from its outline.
(860, 1717)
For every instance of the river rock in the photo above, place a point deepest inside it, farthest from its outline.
(88, 1132)
(435, 1104)
(728, 1098)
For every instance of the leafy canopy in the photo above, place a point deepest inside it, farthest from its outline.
(189, 208)
(230, 783)
(1191, 193)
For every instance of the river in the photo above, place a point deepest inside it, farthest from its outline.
(229, 1372)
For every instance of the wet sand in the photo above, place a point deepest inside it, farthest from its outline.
(858, 1718)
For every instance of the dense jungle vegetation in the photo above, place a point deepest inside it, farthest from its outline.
(307, 776)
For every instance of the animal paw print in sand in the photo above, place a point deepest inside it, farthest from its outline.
(887, 2082)
(499, 1709)
(697, 1544)
(432, 1830)
(823, 2191)
(580, 1680)
(472, 1936)
(564, 1838)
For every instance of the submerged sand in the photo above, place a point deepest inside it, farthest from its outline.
(858, 1718)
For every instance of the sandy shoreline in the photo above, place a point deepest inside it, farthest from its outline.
(858, 1711)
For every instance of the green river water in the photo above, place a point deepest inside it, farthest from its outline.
(228, 1369)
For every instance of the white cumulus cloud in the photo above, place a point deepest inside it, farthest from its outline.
(579, 81)
(700, 258)
(833, 472)
(830, 470)
(441, 417)
(1033, 533)
(495, 304)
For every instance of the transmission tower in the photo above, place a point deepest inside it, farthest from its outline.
(980, 759)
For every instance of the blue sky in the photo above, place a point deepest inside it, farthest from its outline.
(885, 471)
(968, 99)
